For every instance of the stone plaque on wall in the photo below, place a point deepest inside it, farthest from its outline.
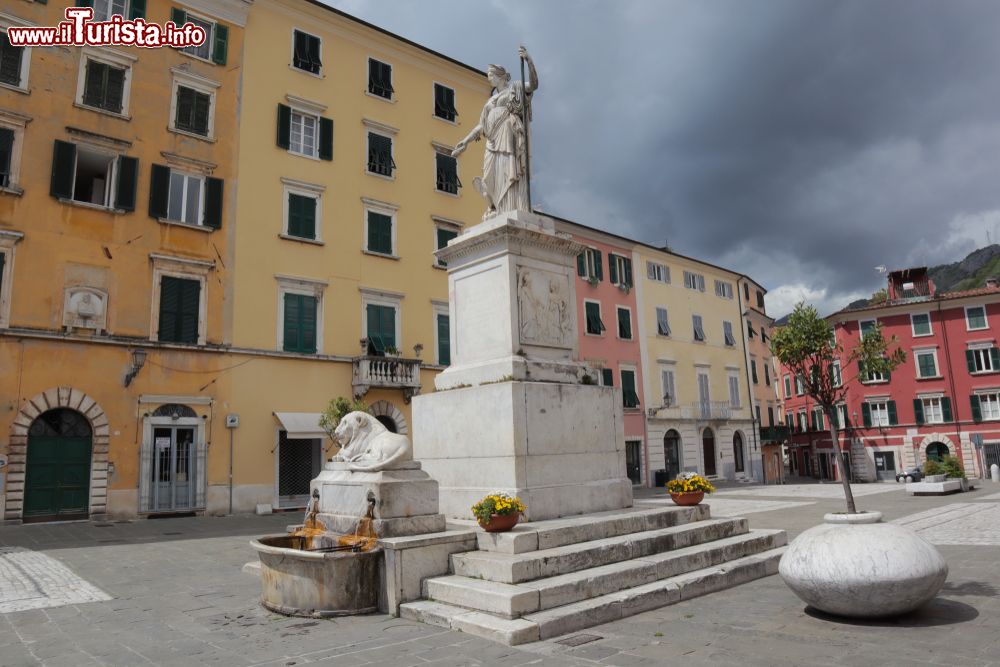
(543, 308)
(85, 308)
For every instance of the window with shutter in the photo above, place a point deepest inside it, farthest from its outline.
(104, 86)
(444, 102)
(300, 323)
(975, 318)
(926, 364)
(6, 157)
(380, 154)
(667, 385)
(662, 323)
(303, 133)
(380, 79)
(381, 328)
(204, 50)
(10, 61)
(441, 236)
(193, 110)
(301, 216)
(624, 324)
(306, 52)
(699, 332)
(920, 324)
(986, 406)
(629, 395)
(734, 391)
(753, 371)
(727, 333)
(380, 233)
(607, 377)
(179, 310)
(592, 312)
(186, 198)
(443, 339)
(447, 173)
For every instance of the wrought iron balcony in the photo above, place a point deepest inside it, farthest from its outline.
(386, 372)
(701, 410)
(774, 433)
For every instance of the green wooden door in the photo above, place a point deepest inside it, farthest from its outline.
(57, 479)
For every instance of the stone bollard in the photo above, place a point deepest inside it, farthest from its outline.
(995, 472)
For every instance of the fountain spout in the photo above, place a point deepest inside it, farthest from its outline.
(312, 509)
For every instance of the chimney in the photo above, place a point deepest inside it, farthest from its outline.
(991, 283)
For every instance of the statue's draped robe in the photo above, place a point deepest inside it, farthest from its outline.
(505, 163)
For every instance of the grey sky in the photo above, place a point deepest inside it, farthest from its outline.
(803, 142)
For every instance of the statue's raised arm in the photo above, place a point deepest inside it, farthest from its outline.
(504, 183)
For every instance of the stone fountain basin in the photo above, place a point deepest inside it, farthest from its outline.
(316, 584)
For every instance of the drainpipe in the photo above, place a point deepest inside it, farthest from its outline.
(231, 470)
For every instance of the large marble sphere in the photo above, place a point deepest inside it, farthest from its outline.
(854, 565)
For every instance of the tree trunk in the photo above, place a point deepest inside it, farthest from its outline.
(841, 466)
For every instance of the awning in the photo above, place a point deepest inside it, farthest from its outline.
(301, 425)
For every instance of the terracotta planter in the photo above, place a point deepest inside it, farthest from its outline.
(691, 498)
(500, 523)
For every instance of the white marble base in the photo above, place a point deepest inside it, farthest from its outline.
(941, 488)
(560, 447)
(406, 499)
(856, 566)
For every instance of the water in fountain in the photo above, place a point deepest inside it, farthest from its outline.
(364, 537)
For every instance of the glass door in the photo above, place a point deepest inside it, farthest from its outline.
(885, 465)
(173, 479)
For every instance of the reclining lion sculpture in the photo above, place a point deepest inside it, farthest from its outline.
(368, 446)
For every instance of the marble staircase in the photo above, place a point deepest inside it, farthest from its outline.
(549, 578)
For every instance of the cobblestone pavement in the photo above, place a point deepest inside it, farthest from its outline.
(958, 523)
(32, 580)
(179, 598)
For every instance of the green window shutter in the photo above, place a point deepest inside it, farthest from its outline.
(820, 426)
(608, 377)
(185, 108)
(918, 411)
(866, 415)
(178, 16)
(977, 410)
(85, 3)
(301, 216)
(307, 328)
(624, 324)
(597, 265)
(389, 325)
(627, 267)
(179, 310)
(893, 419)
(291, 323)
(629, 395)
(220, 44)
(63, 168)
(381, 327)
(946, 409)
(325, 138)
(581, 264)
(169, 305)
(444, 339)
(94, 83)
(137, 9)
(128, 180)
(375, 344)
(10, 61)
(379, 233)
(970, 360)
(114, 89)
(284, 126)
(213, 202)
(612, 268)
(995, 358)
(202, 111)
(159, 191)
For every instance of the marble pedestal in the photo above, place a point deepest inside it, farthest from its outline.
(512, 413)
(406, 500)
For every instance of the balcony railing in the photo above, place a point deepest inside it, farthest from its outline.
(774, 433)
(704, 410)
(387, 373)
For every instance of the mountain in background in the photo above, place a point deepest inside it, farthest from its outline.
(968, 273)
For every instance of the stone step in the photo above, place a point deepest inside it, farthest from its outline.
(517, 568)
(602, 609)
(515, 600)
(573, 530)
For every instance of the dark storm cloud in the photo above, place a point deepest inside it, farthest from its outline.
(803, 142)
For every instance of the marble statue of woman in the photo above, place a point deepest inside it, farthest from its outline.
(504, 183)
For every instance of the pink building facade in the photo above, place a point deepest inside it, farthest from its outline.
(943, 400)
(609, 334)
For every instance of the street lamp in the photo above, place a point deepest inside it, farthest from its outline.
(138, 361)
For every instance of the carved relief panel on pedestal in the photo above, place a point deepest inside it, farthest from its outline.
(544, 308)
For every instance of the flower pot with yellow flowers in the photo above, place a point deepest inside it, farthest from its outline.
(689, 488)
(498, 512)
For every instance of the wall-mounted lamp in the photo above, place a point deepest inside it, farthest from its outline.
(138, 361)
(418, 349)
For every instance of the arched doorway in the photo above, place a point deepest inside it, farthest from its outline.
(672, 453)
(57, 474)
(708, 451)
(388, 422)
(738, 452)
(936, 451)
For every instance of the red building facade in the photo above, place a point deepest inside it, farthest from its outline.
(943, 400)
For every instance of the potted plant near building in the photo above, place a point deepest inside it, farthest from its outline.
(498, 512)
(852, 564)
(689, 489)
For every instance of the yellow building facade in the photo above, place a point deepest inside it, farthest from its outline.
(699, 401)
(117, 212)
(346, 189)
